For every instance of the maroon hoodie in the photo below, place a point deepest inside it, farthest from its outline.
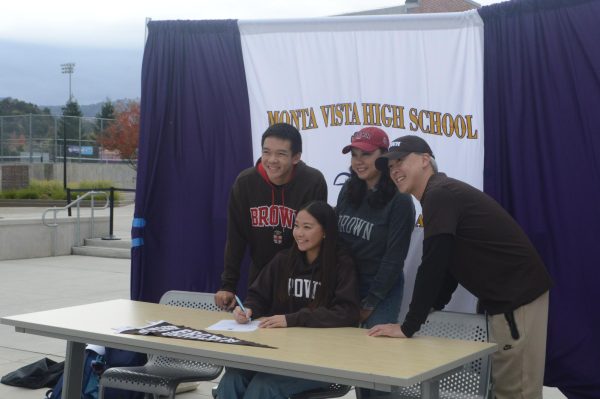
(261, 217)
(304, 282)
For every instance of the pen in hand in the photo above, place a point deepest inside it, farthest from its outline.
(237, 299)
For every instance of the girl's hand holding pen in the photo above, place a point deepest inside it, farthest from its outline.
(241, 316)
(243, 309)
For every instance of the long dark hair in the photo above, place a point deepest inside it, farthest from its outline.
(326, 217)
(356, 190)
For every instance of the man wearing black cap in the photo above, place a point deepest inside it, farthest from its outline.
(470, 239)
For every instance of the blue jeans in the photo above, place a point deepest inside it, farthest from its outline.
(386, 312)
(388, 309)
(246, 384)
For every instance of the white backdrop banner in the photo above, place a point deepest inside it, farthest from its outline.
(408, 74)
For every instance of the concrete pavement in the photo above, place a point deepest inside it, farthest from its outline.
(31, 285)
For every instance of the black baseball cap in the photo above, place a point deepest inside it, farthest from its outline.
(401, 147)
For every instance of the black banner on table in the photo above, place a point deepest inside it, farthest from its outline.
(168, 330)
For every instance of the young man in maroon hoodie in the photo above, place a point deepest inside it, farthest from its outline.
(262, 206)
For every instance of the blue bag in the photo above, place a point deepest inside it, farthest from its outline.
(90, 378)
(94, 366)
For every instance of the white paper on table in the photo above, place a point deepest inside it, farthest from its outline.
(147, 325)
(232, 325)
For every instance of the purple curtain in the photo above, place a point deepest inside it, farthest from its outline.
(195, 137)
(542, 162)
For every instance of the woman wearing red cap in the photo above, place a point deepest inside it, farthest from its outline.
(375, 222)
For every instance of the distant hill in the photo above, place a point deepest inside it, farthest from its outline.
(86, 110)
(89, 110)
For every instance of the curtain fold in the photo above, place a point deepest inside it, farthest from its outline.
(542, 162)
(195, 137)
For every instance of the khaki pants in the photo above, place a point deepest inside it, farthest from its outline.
(518, 366)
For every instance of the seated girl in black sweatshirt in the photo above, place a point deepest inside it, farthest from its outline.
(312, 284)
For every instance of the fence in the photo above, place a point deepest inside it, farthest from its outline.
(46, 138)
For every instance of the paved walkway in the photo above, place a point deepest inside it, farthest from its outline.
(30, 285)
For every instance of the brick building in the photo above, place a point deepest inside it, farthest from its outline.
(433, 6)
(423, 6)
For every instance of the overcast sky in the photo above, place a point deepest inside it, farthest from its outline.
(120, 23)
(105, 40)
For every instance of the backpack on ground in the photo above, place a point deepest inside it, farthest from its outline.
(42, 373)
(92, 366)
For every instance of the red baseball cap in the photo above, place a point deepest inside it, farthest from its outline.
(368, 139)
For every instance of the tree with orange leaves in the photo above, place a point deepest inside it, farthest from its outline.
(124, 133)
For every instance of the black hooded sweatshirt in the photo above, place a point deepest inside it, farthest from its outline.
(303, 282)
(261, 216)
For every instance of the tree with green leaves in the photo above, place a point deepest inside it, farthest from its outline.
(23, 122)
(70, 123)
(12, 106)
(72, 108)
(107, 111)
(105, 116)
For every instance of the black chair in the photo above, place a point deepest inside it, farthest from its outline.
(473, 380)
(161, 375)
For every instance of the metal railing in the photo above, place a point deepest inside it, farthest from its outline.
(77, 203)
(112, 190)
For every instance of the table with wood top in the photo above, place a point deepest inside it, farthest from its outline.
(341, 355)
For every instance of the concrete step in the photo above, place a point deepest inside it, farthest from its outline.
(99, 242)
(104, 252)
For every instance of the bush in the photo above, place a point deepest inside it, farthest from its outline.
(27, 193)
(12, 194)
(53, 190)
(48, 189)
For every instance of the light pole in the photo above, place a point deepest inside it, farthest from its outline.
(69, 68)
